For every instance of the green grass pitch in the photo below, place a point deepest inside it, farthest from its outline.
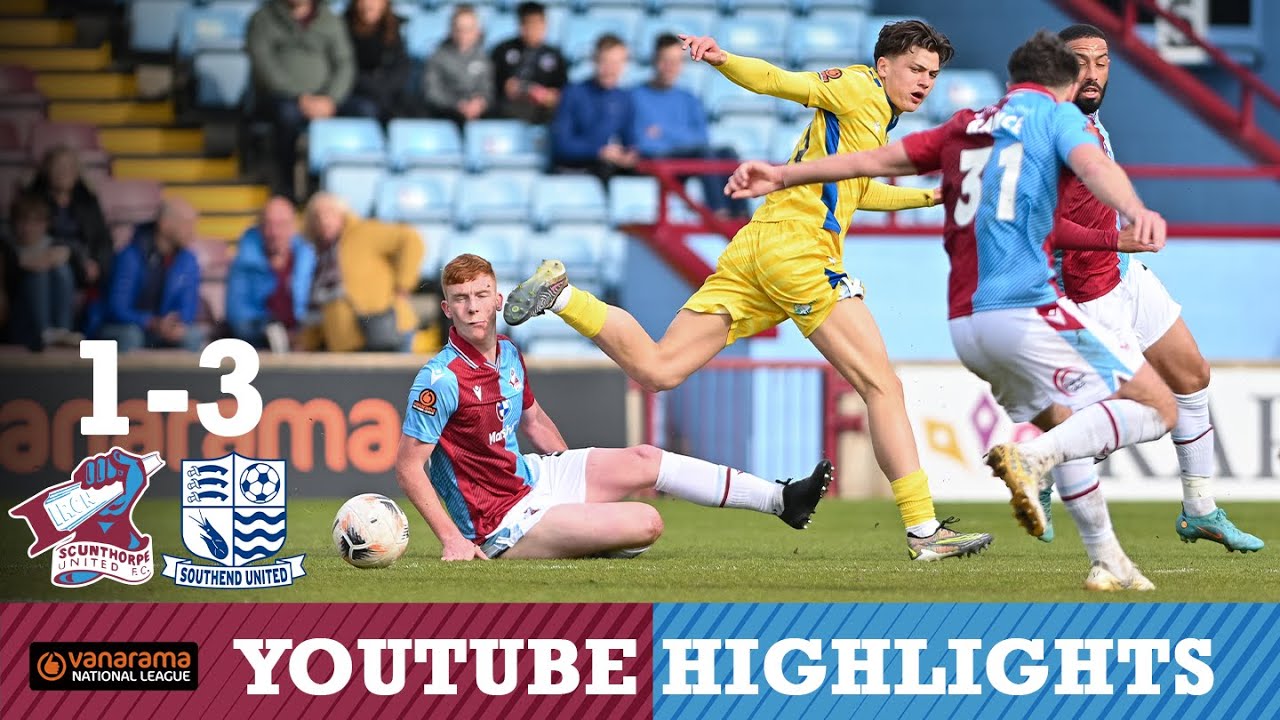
(853, 552)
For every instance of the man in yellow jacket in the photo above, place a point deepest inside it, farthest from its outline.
(365, 271)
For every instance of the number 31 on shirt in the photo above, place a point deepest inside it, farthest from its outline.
(972, 163)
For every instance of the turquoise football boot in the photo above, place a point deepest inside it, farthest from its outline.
(1217, 528)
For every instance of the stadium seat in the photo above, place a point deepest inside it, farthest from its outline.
(153, 24)
(491, 198)
(424, 143)
(782, 144)
(436, 238)
(18, 88)
(423, 198)
(221, 79)
(220, 26)
(355, 184)
(812, 6)
(568, 199)
(424, 31)
(214, 257)
(498, 27)
(81, 137)
(909, 123)
(12, 150)
(721, 97)
(748, 135)
(864, 50)
(757, 35)
(347, 141)
(24, 120)
(504, 144)
(129, 201)
(501, 244)
(12, 179)
(580, 247)
(578, 37)
(678, 210)
(676, 22)
(956, 89)
(823, 40)
(633, 200)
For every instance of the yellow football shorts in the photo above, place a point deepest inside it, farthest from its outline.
(772, 271)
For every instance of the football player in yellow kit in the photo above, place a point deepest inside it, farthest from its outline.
(788, 262)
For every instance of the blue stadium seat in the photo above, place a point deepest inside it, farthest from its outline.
(500, 244)
(578, 37)
(580, 247)
(633, 200)
(958, 89)
(416, 199)
(222, 26)
(221, 78)
(757, 35)
(347, 141)
(865, 49)
(678, 210)
(721, 97)
(749, 135)
(782, 145)
(504, 144)
(436, 238)
(356, 184)
(811, 6)
(676, 22)
(696, 77)
(911, 122)
(153, 24)
(499, 27)
(424, 143)
(492, 198)
(568, 199)
(424, 31)
(826, 40)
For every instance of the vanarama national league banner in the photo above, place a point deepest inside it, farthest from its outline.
(639, 661)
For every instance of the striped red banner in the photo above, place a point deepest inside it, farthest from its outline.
(225, 673)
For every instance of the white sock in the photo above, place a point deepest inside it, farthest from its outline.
(1074, 477)
(1089, 510)
(1193, 440)
(562, 300)
(704, 483)
(924, 529)
(1097, 431)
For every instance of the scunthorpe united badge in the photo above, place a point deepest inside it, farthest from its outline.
(233, 514)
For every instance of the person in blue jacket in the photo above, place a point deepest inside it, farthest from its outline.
(270, 279)
(154, 291)
(592, 129)
(670, 122)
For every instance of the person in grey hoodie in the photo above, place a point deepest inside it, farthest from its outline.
(303, 69)
(458, 82)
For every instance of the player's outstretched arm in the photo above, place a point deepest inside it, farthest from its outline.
(411, 461)
(754, 178)
(754, 74)
(1109, 183)
(541, 430)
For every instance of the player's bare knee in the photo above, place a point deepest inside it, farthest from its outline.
(1199, 376)
(650, 526)
(879, 381)
(646, 455)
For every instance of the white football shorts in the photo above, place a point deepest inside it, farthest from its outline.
(1141, 301)
(557, 480)
(1035, 357)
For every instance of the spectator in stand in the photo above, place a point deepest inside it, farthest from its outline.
(458, 82)
(75, 218)
(153, 294)
(528, 73)
(382, 63)
(303, 69)
(594, 123)
(43, 281)
(365, 271)
(269, 283)
(670, 122)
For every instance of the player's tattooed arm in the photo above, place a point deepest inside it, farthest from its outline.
(411, 461)
(542, 431)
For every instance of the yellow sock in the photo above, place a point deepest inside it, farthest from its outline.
(915, 503)
(585, 313)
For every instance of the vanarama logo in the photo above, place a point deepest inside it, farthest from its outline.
(114, 666)
(88, 521)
